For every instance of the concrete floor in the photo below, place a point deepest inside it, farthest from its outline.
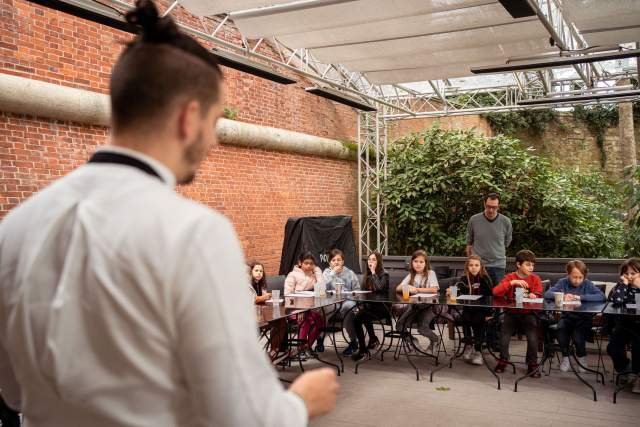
(387, 394)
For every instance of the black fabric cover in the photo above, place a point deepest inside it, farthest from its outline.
(319, 235)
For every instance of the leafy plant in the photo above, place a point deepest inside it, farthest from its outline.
(436, 180)
(534, 122)
(631, 188)
(230, 113)
(597, 118)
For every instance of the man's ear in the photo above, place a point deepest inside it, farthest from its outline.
(189, 118)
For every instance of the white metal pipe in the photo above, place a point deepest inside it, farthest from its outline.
(20, 95)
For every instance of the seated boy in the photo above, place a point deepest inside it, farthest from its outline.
(576, 287)
(524, 278)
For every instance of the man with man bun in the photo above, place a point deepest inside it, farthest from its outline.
(123, 303)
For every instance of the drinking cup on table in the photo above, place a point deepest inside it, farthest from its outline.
(339, 285)
(275, 296)
(453, 292)
(405, 292)
(519, 295)
(323, 290)
(558, 297)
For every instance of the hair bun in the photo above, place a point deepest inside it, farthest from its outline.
(153, 27)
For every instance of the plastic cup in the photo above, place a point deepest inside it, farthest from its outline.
(323, 290)
(519, 295)
(338, 287)
(558, 298)
(453, 292)
(275, 296)
(405, 292)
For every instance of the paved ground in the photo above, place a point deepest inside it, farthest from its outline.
(387, 394)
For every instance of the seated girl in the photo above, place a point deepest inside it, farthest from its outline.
(475, 281)
(376, 280)
(258, 280)
(304, 277)
(576, 287)
(625, 330)
(421, 279)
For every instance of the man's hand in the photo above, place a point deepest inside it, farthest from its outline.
(318, 389)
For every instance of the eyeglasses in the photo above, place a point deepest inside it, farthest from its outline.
(491, 208)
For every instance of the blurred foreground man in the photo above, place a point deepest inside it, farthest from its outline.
(123, 303)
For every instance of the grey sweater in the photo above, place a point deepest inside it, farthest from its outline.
(490, 239)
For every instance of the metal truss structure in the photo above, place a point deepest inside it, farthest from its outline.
(398, 102)
(372, 170)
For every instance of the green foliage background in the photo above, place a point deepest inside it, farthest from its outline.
(436, 180)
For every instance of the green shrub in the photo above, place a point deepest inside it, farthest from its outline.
(436, 180)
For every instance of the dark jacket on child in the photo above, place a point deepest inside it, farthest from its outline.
(377, 285)
(619, 295)
(476, 285)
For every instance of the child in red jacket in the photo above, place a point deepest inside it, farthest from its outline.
(523, 277)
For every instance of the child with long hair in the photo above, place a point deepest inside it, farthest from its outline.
(474, 281)
(421, 279)
(624, 329)
(376, 280)
(258, 283)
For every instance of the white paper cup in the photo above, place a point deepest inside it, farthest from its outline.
(338, 287)
(275, 295)
(558, 298)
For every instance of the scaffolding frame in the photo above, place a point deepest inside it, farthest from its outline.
(398, 102)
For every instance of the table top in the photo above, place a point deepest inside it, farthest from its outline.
(483, 302)
(621, 310)
(292, 305)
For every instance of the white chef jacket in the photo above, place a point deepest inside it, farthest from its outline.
(125, 304)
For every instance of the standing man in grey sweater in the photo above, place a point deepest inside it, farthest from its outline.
(489, 235)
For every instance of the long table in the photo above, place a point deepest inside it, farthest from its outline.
(295, 305)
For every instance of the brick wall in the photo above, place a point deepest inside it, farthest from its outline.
(257, 189)
(403, 127)
(572, 145)
(568, 144)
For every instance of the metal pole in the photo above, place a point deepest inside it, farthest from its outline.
(359, 121)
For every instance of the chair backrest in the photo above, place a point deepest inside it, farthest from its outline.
(275, 282)
(442, 271)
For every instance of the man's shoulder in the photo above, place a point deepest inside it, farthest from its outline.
(504, 218)
(477, 217)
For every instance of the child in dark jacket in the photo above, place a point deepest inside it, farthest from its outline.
(475, 281)
(376, 280)
(576, 287)
(527, 322)
(625, 330)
